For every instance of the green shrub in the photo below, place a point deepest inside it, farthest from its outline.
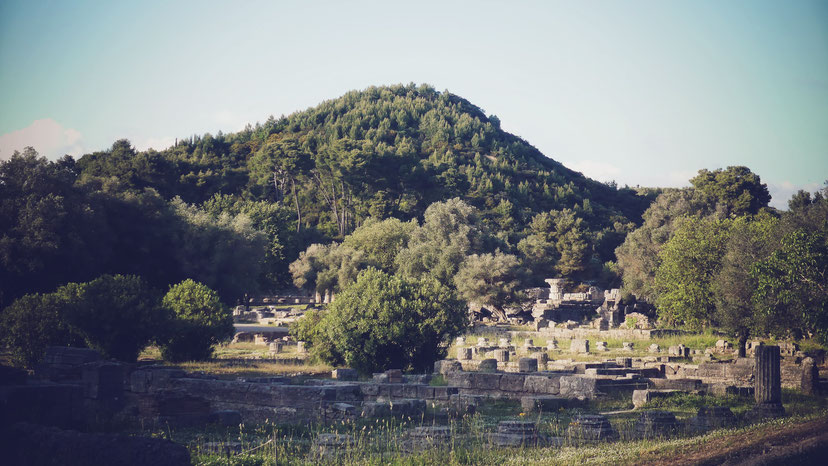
(199, 321)
(385, 321)
(32, 323)
(117, 315)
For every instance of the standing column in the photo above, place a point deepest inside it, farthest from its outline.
(768, 382)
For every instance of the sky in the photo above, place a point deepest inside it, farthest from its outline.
(644, 93)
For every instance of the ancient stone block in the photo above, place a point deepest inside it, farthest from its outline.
(515, 433)
(656, 424)
(654, 348)
(464, 354)
(601, 346)
(501, 355)
(447, 365)
(627, 346)
(579, 346)
(544, 404)
(344, 374)
(511, 382)
(624, 362)
(541, 384)
(713, 417)
(487, 365)
(591, 428)
(527, 365)
(103, 380)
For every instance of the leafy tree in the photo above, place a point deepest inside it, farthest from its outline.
(224, 253)
(34, 322)
(114, 314)
(792, 284)
(688, 264)
(451, 231)
(750, 241)
(537, 250)
(639, 256)
(491, 280)
(386, 321)
(200, 320)
(381, 241)
(737, 188)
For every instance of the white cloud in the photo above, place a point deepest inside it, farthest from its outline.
(781, 192)
(47, 136)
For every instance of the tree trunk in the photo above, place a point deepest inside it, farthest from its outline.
(742, 344)
(296, 202)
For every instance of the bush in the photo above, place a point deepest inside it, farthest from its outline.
(32, 323)
(117, 315)
(199, 321)
(385, 321)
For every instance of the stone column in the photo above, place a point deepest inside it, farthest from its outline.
(768, 382)
(810, 377)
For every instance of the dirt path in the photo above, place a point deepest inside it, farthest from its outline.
(780, 445)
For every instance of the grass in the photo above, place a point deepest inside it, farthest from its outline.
(382, 441)
(255, 368)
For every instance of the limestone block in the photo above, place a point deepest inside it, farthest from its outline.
(654, 348)
(344, 374)
(541, 384)
(501, 355)
(579, 346)
(628, 346)
(512, 382)
(487, 365)
(527, 365)
(464, 354)
(601, 346)
(541, 403)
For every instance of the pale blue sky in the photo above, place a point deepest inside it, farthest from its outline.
(642, 92)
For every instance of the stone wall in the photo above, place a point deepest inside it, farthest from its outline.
(615, 333)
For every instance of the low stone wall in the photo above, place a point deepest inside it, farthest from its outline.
(615, 333)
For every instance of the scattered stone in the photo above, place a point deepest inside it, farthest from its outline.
(464, 354)
(656, 424)
(628, 346)
(331, 445)
(601, 346)
(552, 344)
(504, 343)
(482, 341)
(654, 348)
(300, 347)
(460, 341)
(591, 428)
(275, 347)
(624, 362)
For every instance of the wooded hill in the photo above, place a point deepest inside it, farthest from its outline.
(310, 177)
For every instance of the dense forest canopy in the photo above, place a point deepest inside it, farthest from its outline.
(246, 204)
